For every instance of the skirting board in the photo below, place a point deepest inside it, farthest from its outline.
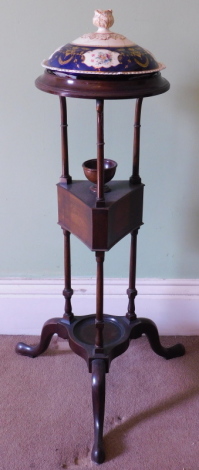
(172, 304)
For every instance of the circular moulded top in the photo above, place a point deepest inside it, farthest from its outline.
(103, 52)
(103, 87)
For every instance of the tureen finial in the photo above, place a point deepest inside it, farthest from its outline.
(103, 19)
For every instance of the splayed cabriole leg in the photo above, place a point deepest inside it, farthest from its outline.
(50, 328)
(145, 326)
(98, 394)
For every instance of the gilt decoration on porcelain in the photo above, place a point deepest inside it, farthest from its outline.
(103, 36)
(102, 52)
(129, 59)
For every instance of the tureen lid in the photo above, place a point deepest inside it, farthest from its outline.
(102, 53)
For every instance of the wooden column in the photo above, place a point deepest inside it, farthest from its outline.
(100, 153)
(135, 178)
(68, 291)
(65, 177)
(99, 322)
(131, 291)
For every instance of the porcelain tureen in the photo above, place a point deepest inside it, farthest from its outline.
(102, 53)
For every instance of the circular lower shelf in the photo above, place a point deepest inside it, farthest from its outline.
(85, 331)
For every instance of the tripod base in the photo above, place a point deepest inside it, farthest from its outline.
(117, 333)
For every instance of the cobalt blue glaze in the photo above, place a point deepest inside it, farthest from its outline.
(73, 58)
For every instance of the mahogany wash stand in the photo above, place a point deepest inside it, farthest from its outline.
(100, 220)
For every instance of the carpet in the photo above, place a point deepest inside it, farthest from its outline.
(151, 412)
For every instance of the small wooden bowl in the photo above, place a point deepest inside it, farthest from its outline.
(90, 170)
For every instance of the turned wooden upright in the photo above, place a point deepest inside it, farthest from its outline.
(100, 221)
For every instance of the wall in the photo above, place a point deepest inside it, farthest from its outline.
(31, 241)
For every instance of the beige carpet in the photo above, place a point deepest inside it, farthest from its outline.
(151, 416)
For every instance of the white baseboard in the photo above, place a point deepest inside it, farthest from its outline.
(172, 304)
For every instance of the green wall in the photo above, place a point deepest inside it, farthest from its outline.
(30, 240)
